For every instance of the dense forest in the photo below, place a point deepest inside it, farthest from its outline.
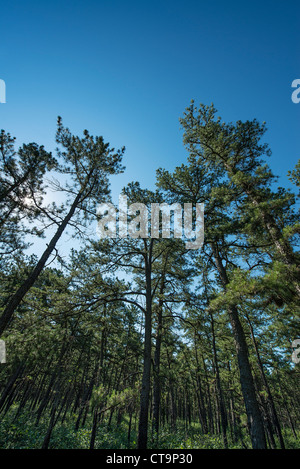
(135, 343)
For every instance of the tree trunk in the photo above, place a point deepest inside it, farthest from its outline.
(266, 384)
(156, 385)
(145, 391)
(94, 429)
(50, 429)
(18, 296)
(11, 383)
(220, 398)
(255, 421)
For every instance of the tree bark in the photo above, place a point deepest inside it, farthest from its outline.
(145, 391)
(156, 385)
(220, 398)
(266, 384)
(255, 421)
(25, 287)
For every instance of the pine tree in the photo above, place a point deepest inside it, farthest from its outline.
(89, 162)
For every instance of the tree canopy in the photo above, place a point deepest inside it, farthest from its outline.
(141, 342)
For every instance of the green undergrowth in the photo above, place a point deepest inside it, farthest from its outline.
(23, 433)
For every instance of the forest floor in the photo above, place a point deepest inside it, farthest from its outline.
(23, 433)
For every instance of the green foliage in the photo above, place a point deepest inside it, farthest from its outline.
(22, 433)
(120, 328)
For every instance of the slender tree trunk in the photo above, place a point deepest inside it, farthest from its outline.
(18, 296)
(220, 398)
(47, 438)
(255, 421)
(145, 391)
(209, 403)
(54, 379)
(202, 409)
(94, 429)
(267, 387)
(10, 385)
(129, 427)
(156, 385)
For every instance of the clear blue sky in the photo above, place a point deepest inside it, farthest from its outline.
(128, 69)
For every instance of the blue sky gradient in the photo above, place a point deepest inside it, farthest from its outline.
(128, 69)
